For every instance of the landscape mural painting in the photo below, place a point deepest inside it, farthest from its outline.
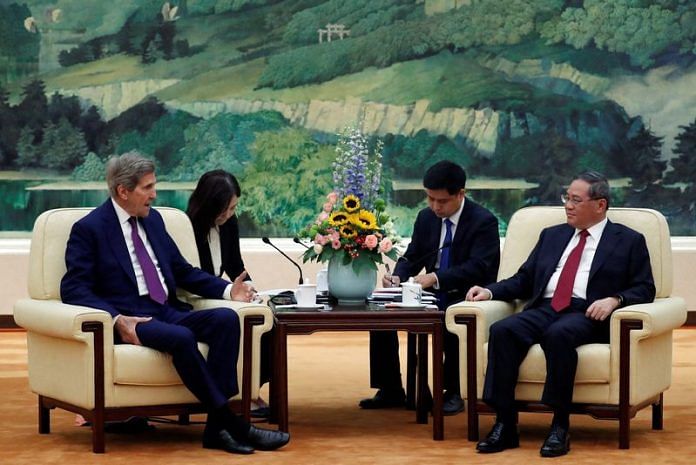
(522, 93)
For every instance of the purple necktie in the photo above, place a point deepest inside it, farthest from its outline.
(154, 285)
(564, 289)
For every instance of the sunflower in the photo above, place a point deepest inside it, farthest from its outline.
(338, 218)
(366, 220)
(351, 203)
(348, 231)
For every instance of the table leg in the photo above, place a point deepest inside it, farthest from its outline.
(282, 372)
(273, 382)
(438, 418)
(421, 406)
(411, 364)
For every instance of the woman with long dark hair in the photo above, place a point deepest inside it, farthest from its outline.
(211, 208)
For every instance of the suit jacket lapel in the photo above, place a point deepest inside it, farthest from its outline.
(607, 243)
(557, 246)
(116, 240)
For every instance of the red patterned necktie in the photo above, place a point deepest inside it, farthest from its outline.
(154, 285)
(564, 288)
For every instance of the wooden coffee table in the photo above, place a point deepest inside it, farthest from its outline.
(368, 317)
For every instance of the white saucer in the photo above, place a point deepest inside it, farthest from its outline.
(402, 305)
(304, 306)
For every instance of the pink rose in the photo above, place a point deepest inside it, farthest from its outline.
(318, 248)
(328, 206)
(332, 197)
(323, 216)
(386, 245)
(335, 235)
(336, 244)
(371, 241)
(320, 239)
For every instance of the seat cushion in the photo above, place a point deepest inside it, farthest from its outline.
(593, 365)
(142, 366)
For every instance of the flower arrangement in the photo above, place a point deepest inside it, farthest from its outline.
(353, 223)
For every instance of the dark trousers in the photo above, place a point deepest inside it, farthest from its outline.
(212, 381)
(385, 370)
(559, 334)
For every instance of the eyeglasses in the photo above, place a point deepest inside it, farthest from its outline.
(565, 198)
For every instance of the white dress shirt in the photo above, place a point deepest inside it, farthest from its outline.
(215, 249)
(588, 253)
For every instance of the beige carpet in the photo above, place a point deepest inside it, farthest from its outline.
(328, 374)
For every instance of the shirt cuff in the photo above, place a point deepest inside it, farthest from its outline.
(490, 294)
(437, 282)
(227, 294)
(116, 318)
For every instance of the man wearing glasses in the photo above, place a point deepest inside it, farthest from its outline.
(576, 276)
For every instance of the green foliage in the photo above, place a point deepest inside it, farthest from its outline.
(481, 23)
(63, 146)
(639, 29)
(288, 179)
(16, 42)
(645, 152)
(27, 152)
(408, 157)
(138, 118)
(360, 16)
(685, 163)
(162, 141)
(92, 169)
(222, 142)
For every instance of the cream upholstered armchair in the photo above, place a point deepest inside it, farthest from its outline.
(613, 381)
(73, 361)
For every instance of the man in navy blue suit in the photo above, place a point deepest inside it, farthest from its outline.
(457, 242)
(576, 276)
(121, 259)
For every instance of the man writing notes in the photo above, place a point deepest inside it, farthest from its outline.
(121, 259)
(575, 277)
(457, 242)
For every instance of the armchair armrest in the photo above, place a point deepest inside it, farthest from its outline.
(657, 317)
(56, 319)
(243, 309)
(486, 313)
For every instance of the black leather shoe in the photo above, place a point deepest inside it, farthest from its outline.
(267, 439)
(557, 442)
(452, 403)
(221, 439)
(261, 412)
(500, 438)
(384, 399)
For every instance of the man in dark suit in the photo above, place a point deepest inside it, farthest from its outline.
(457, 242)
(121, 259)
(576, 276)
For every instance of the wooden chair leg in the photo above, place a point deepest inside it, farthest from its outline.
(411, 363)
(98, 440)
(657, 411)
(44, 418)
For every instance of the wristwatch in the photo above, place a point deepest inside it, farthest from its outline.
(620, 299)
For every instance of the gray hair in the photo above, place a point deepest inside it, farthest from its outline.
(127, 170)
(599, 185)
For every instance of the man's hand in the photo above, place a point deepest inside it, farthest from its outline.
(426, 280)
(241, 291)
(478, 293)
(390, 280)
(602, 308)
(125, 325)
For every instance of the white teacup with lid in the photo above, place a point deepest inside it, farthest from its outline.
(306, 295)
(411, 292)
